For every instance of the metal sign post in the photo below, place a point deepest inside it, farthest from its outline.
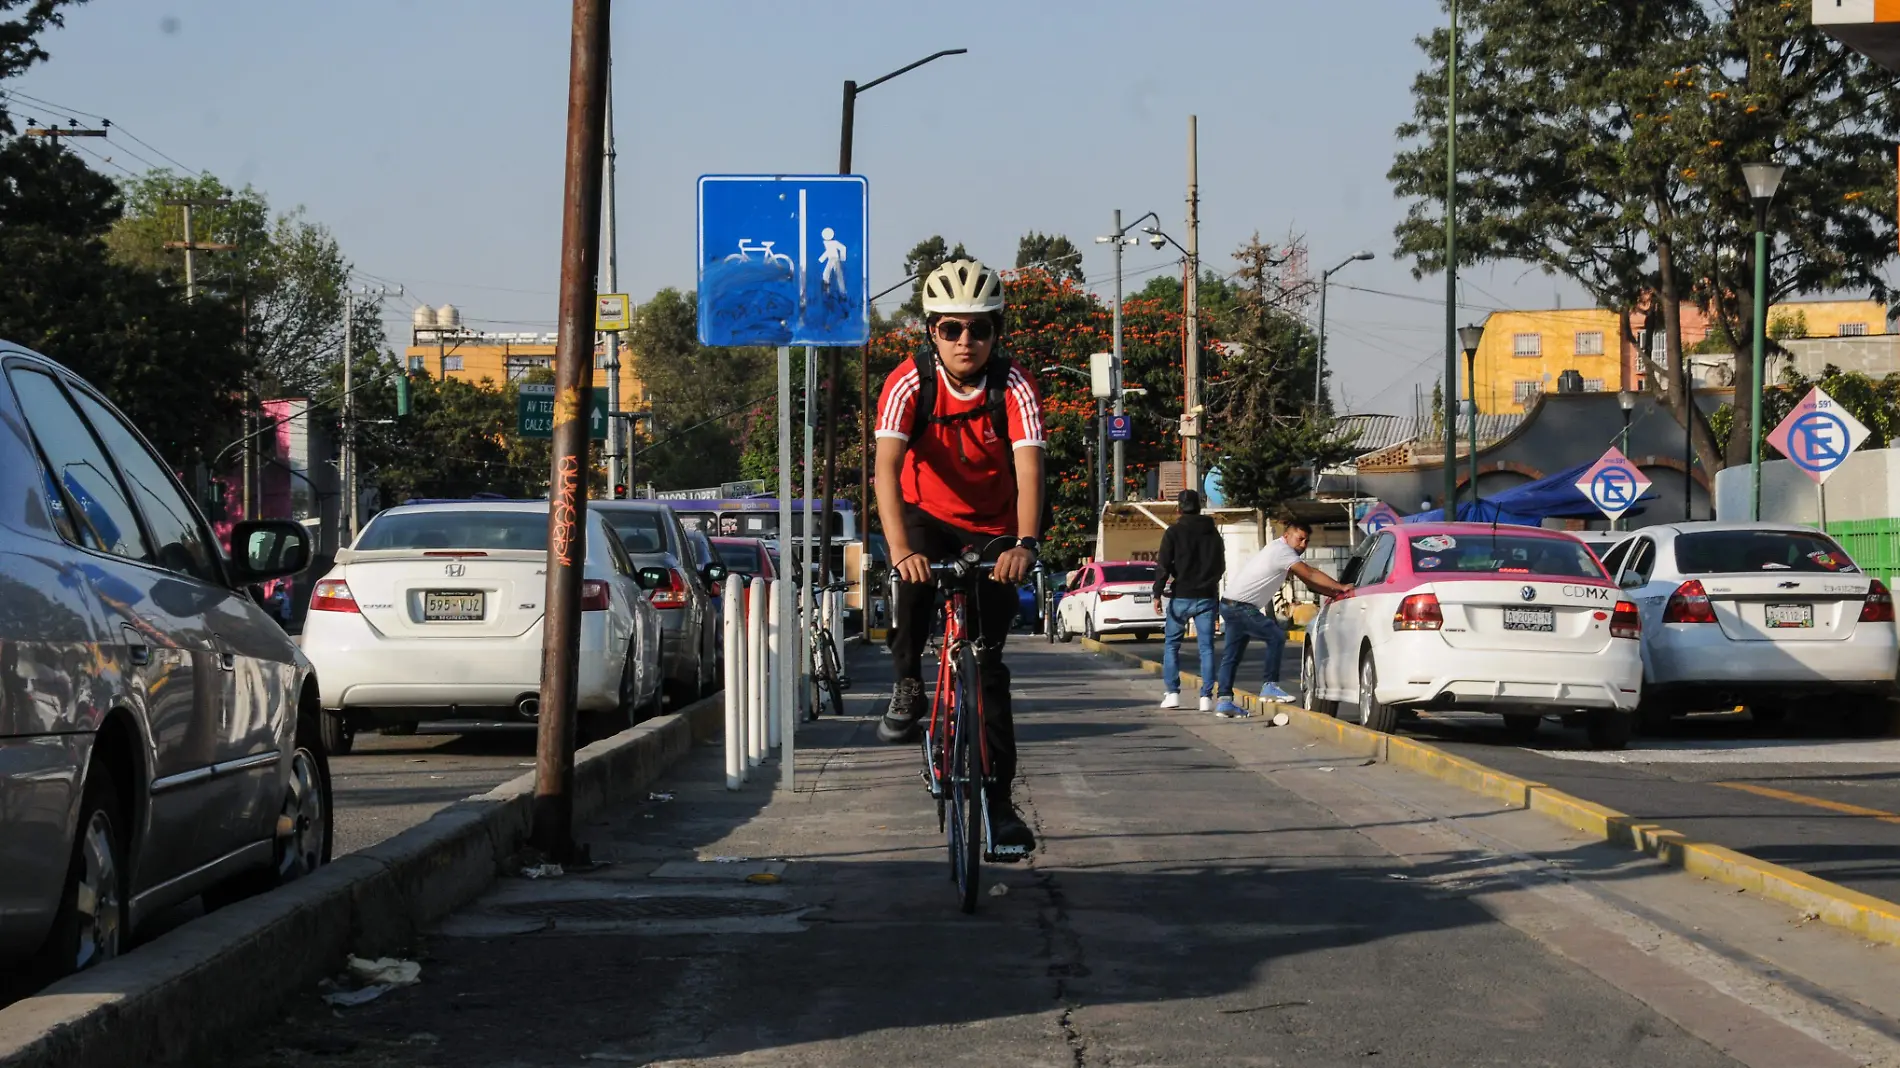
(787, 622)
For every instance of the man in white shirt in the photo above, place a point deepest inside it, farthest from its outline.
(1246, 612)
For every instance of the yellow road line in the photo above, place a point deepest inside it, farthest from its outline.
(1817, 802)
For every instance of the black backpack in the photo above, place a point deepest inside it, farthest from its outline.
(996, 406)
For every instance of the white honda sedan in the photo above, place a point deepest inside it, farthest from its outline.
(1774, 618)
(435, 613)
(1515, 620)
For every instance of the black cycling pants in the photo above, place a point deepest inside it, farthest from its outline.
(914, 618)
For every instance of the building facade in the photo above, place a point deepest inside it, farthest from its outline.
(503, 358)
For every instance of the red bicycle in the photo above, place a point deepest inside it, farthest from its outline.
(956, 757)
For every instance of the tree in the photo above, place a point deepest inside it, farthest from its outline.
(693, 392)
(1054, 252)
(926, 256)
(1603, 143)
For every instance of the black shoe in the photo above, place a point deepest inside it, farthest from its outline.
(1008, 832)
(899, 724)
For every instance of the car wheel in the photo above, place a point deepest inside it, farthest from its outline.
(1063, 634)
(1521, 727)
(398, 730)
(1609, 728)
(304, 832)
(1088, 627)
(1309, 687)
(90, 926)
(338, 736)
(1144, 635)
(605, 723)
(1373, 715)
(1655, 717)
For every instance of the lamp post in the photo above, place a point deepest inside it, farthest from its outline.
(1468, 339)
(1120, 239)
(1190, 358)
(1325, 279)
(1763, 179)
(850, 108)
(1451, 260)
(1096, 460)
(1627, 401)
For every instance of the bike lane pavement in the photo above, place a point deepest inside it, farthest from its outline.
(1185, 908)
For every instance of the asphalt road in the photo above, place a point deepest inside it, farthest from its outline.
(388, 784)
(1205, 894)
(1803, 795)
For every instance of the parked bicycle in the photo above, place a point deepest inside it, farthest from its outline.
(957, 767)
(827, 673)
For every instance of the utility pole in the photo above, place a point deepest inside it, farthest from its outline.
(351, 519)
(190, 247)
(1451, 272)
(619, 432)
(1191, 377)
(553, 817)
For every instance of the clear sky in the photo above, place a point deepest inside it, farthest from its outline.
(428, 134)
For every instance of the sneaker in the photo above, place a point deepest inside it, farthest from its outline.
(1170, 700)
(1229, 710)
(1272, 693)
(900, 720)
(1007, 829)
(1207, 704)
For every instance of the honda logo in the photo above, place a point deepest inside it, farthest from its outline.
(1529, 593)
(454, 570)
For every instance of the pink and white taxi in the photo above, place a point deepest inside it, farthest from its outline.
(1515, 620)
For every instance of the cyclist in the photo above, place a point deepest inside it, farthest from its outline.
(959, 464)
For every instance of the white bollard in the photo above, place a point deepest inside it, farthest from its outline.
(772, 637)
(760, 675)
(735, 681)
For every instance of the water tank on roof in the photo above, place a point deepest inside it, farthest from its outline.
(424, 318)
(1570, 382)
(448, 317)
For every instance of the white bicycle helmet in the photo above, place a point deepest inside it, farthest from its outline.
(963, 287)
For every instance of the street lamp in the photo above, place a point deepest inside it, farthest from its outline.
(1120, 239)
(1190, 352)
(1627, 401)
(1468, 339)
(1096, 461)
(1763, 179)
(1319, 365)
(851, 91)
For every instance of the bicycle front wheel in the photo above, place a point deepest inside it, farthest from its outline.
(966, 784)
(831, 676)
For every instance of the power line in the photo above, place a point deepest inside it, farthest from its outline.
(77, 112)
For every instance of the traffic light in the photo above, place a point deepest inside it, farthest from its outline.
(620, 491)
(402, 393)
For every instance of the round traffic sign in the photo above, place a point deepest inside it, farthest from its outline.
(1613, 489)
(1819, 441)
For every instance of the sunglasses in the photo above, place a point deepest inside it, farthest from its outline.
(952, 330)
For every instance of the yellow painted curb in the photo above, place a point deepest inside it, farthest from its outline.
(1870, 917)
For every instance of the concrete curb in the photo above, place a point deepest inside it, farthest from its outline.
(1869, 917)
(177, 997)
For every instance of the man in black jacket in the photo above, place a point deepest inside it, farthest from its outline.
(1194, 557)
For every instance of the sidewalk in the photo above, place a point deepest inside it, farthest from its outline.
(1206, 893)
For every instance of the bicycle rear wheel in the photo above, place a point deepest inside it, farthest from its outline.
(966, 785)
(830, 674)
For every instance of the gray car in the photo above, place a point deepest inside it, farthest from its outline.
(689, 624)
(158, 730)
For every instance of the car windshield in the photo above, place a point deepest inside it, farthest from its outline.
(1128, 573)
(739, 559)
(640, 532)
(1714, 552)
(445, 529)
(1502, 554)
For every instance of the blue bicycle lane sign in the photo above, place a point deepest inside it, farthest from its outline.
(1818, 436)
(782, 259)
(1613, 484)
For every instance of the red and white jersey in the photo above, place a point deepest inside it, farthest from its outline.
(960, 471)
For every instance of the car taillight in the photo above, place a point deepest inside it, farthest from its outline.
(1625, 622)
(1878, 608)
(1689, 604)
(1106, 596)
(333, 595)
(673, 594)
(593, 595)
(1419, 612)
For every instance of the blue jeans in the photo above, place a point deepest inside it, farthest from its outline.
(1199, 610)
(1244, 623)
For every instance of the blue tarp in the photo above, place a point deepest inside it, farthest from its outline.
(1528, 505)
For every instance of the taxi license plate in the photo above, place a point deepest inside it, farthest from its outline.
(453, 606)
(1790, 616)
(1530, 619)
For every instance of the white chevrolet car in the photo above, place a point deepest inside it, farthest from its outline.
(435, 614)
(1774, 618)
(1514, 620)
(1110, 597)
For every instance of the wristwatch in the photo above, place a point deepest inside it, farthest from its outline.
(1028, 543)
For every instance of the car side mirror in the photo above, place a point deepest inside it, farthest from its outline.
(266, 549)
(714, 574)
(652, 578)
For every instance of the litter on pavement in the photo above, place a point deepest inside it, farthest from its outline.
(379, 977)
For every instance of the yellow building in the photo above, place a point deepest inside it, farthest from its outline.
(504, 358)
(1526, 353)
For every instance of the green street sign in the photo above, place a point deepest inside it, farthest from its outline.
(534, 413)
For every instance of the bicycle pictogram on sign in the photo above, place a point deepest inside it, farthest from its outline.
(1818, 436)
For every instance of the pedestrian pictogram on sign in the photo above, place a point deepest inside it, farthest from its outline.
(1613, 484)
(1378, 517)
(1818, 435)
(1121, 428)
